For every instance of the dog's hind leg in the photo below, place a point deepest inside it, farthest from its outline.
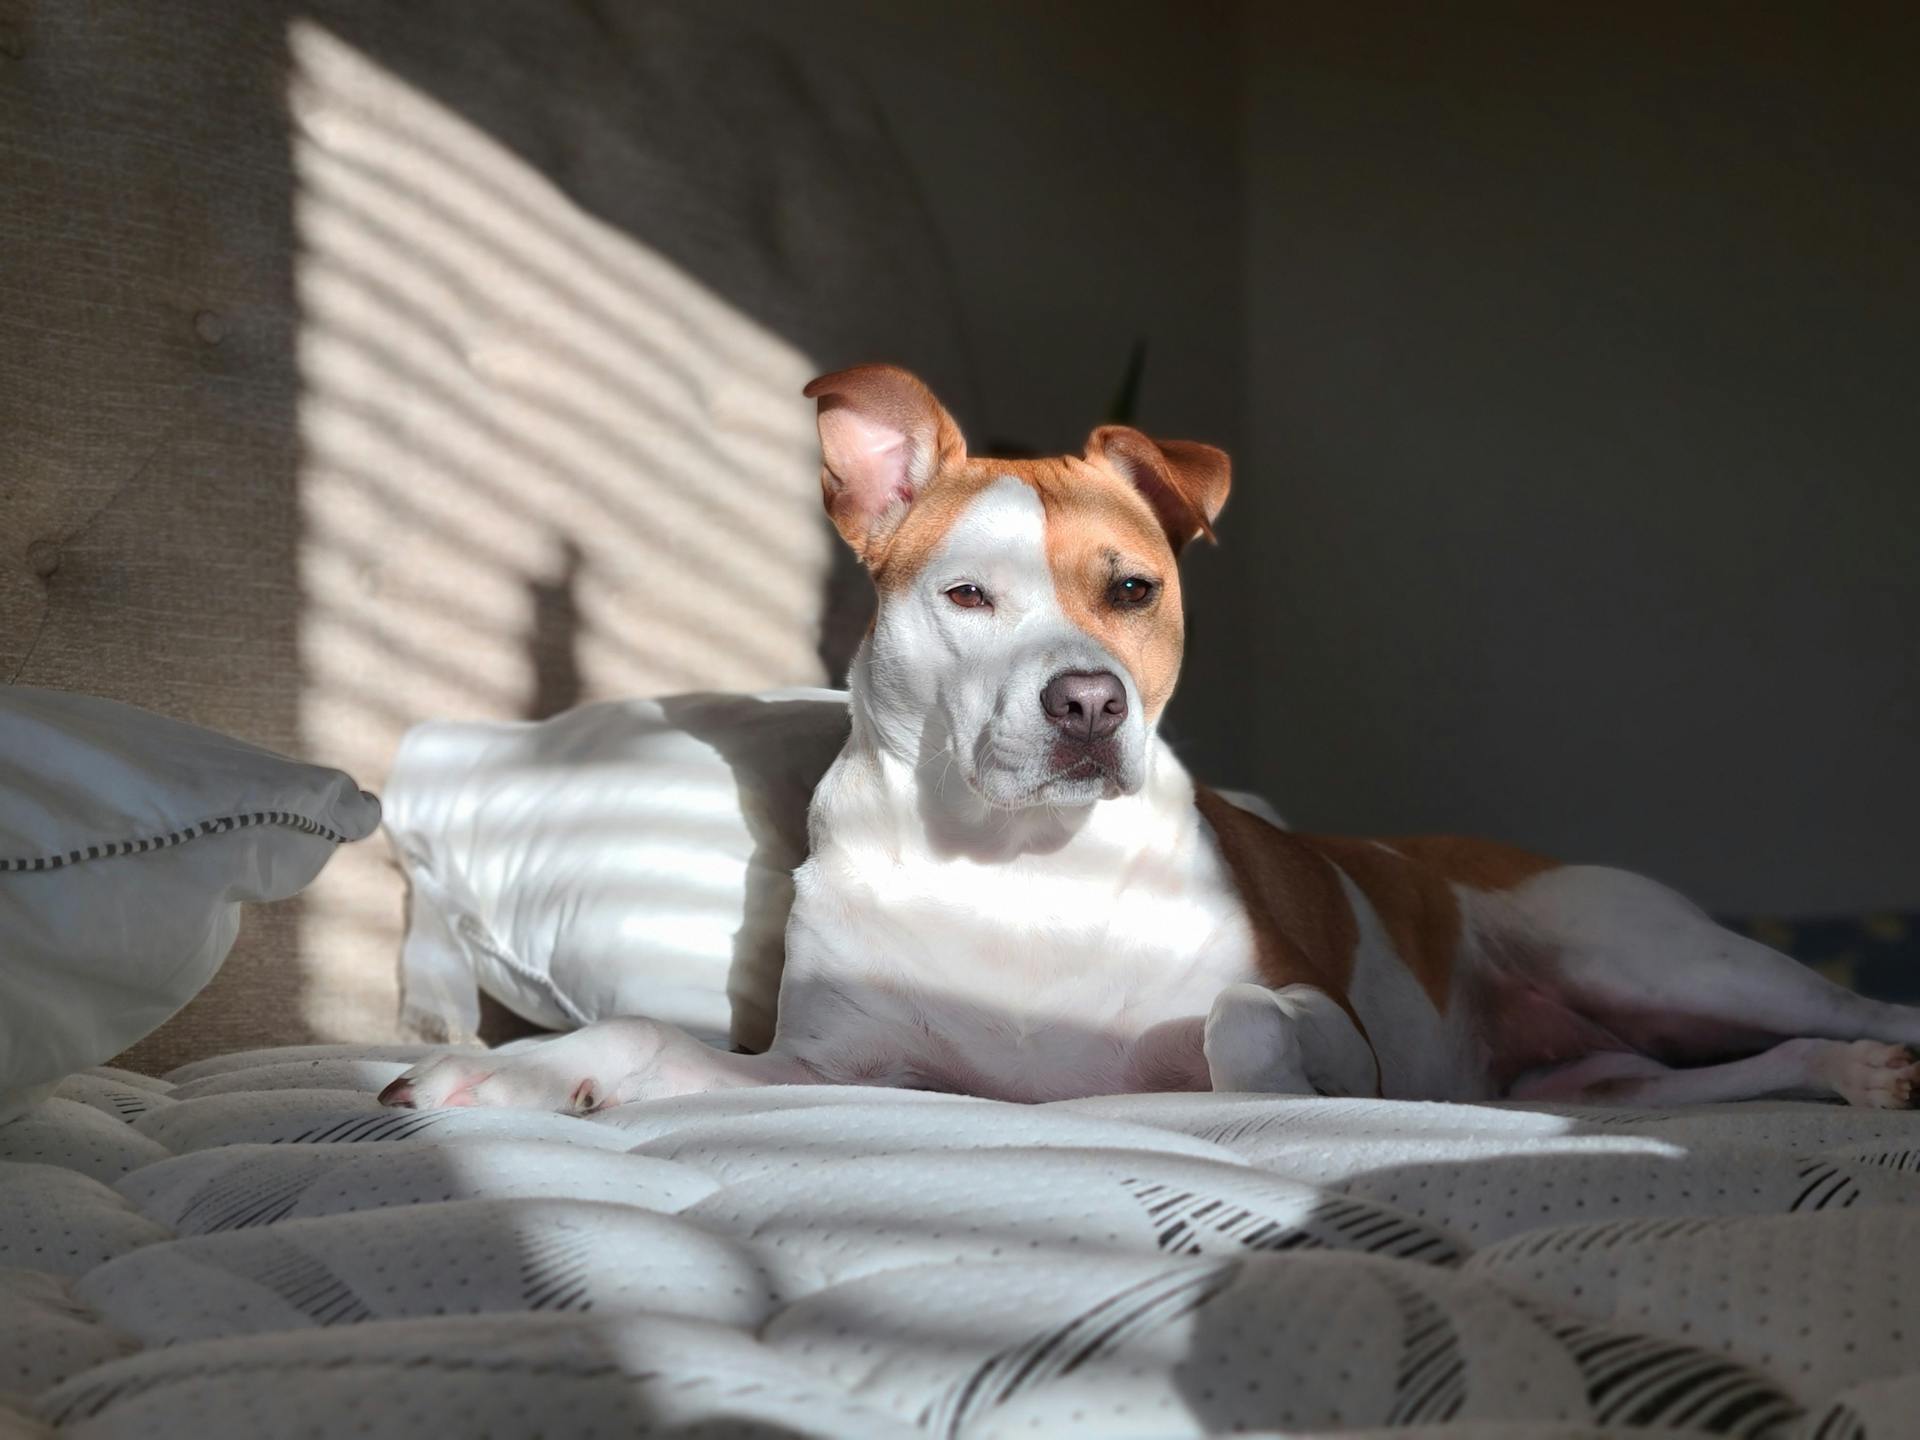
(1861, 1072)
(1632, 952)
(1296, 1040)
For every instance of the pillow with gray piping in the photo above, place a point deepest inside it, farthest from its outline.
(128, 843)
(629, 857)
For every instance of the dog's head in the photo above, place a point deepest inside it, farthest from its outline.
(1029, 629)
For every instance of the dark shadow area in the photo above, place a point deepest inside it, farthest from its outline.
(553, 646)
(1582, 342)
(847, 614)
(498, 1024)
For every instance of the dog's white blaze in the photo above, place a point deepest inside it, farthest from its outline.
(1001, 540)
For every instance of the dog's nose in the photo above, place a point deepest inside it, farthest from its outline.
(1085, 706)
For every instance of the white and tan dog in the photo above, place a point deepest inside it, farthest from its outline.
(1015, 890)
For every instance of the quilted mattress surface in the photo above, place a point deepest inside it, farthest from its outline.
(253, 1247)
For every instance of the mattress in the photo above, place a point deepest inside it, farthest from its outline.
(252, 1246)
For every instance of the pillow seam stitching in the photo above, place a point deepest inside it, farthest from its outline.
(220, 825)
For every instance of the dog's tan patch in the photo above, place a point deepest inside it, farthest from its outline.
(1304, 930)
(898, 562)
(1414, 901)
(1100, 531)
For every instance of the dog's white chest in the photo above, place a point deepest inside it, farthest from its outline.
(1082, 971)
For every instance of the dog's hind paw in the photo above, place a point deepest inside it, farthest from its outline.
(1874, 1075)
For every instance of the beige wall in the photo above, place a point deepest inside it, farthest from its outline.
(1584, 443)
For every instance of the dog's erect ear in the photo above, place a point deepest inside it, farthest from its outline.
(882, 438)
(1184, 481)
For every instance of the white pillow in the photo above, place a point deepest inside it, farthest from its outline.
(127, 842)
(627, 858)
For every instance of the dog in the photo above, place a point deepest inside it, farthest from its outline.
(1014, 889)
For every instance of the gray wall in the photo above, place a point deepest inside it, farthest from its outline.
(1081, 160)
(1567, 356)
(1582, 504)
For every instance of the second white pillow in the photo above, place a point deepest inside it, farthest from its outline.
(627, 858)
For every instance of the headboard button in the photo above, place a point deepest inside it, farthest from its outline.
(43, 557)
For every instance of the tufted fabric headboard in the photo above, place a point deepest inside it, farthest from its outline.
(363, 363)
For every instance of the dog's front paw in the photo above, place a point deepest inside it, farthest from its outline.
(1252, 1044)
(605, 1064)
(526, 1081)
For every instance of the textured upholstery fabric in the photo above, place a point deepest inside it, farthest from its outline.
(364, 363)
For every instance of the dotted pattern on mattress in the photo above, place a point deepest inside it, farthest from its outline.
(252, 1246)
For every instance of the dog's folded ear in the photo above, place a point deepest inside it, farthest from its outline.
(1184, 481)
(883, 436)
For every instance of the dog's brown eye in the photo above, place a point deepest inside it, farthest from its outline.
(1134, 590)
(967, 597)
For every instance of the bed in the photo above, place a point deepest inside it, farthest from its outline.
(253, 1246)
